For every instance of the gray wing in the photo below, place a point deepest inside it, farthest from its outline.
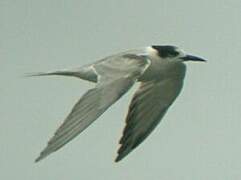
(146, 110)
(115, 77)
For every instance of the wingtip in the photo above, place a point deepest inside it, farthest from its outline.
(39, 158)
(42, 155)
(117, 159)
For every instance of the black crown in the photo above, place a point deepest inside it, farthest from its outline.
(166, 51)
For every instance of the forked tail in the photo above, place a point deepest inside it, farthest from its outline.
(85, 73)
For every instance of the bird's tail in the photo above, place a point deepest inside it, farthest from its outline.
(61, 72)
(82, 73)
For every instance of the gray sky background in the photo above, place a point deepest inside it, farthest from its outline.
(199, 138)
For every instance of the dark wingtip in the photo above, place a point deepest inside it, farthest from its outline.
(122, 152)
(37, 160)
(118, 158)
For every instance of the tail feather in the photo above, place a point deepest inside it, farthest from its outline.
(86, 74)
(62, 73)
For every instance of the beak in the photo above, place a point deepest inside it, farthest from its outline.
(192, 58)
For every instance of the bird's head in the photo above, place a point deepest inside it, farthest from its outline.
(173, 53)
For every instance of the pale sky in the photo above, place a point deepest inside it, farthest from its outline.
(200, 136)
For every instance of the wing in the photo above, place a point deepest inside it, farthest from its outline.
(146, 110)
(115, 77)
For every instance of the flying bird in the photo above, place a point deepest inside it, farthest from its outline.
(160, 69)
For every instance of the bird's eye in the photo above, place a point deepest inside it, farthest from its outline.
(173, 53)
(166, 51)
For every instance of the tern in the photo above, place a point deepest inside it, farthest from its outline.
(160, 69)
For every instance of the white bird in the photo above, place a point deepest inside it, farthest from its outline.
(160, 71)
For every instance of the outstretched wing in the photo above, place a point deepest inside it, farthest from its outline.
(146, 110)
(115, 77)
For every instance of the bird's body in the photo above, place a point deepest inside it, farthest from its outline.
(160, 69)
